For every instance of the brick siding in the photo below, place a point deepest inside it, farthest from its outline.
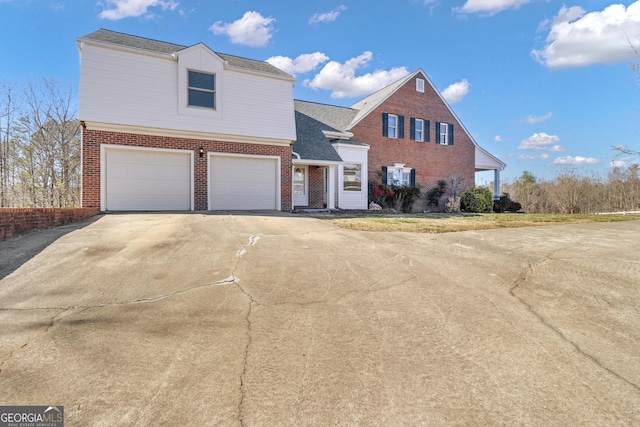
(430, 160)
(17, 221)
(316, 187)
(92, 139)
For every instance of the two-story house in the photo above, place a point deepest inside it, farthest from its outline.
(404, 134)
(170, 127)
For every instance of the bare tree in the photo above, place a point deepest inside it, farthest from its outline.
(53, 147)
(39, 145)
(624, 149)
(8, 111)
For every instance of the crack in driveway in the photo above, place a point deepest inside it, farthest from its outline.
(30, 339)
(522, 278)
(253, 239)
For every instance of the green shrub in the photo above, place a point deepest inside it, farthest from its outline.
(477, 199)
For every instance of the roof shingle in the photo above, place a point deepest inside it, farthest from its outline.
(113, 37)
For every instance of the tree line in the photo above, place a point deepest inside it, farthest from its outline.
(572, 193)
(39, 145)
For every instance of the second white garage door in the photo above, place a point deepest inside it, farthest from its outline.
(243, 183)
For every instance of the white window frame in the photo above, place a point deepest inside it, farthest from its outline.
(398, 175)
(200, 89)
(444, 134)
(392, 131)
(420, 85)
(357, 176)
(421, 131)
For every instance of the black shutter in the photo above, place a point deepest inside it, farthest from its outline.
(437, 132)
(412, 126)
(427, 130)
(384, 175)
(450, 134)
(401, 127)
(385, 124)
(413, 178)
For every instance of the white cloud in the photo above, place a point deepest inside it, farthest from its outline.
(544, 156)
(577, 160)
(252, 29)
(533, 119)
(623, 162)
(556, 148)
(118, 9)
(538, 142)
(490, 7)
(578, 39)
(302, 64)
(328, 16)
(456, 91)
(498, 138)
(341, 79)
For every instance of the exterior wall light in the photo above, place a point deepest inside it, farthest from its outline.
(201, 151)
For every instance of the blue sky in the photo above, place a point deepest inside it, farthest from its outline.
(544, 85)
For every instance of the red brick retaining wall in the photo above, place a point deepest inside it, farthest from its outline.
(16, 221)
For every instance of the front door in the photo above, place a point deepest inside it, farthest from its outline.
(300, 185)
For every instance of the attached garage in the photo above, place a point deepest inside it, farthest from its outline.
(140, 179)
(244, 182)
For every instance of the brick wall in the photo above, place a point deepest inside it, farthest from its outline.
(316, 187)
(91, 140)
(16, 221)
(431, 161)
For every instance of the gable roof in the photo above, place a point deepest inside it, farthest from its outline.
(311, 142)
(371, 102)
(334, 116)
(150, 45)
(368, 104)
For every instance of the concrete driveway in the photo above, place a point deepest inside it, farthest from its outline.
(191, 319)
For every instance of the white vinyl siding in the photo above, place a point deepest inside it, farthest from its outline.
(244, 182)
(146, 180)
(348, 197)
(143, 90)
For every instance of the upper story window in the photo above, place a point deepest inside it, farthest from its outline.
(420, 85)
(444, 133)
(419, 130)
(202, 90)
(392, 126)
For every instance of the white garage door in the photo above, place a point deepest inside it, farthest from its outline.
(243, 183)
(147, 180)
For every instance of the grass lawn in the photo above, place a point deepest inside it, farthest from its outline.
(446, 223)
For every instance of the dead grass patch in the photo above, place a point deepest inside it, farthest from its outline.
(446, 223)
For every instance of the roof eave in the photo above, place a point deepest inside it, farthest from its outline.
(108, 45)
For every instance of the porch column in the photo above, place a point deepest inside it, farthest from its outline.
(331, 187)
(496, 184)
